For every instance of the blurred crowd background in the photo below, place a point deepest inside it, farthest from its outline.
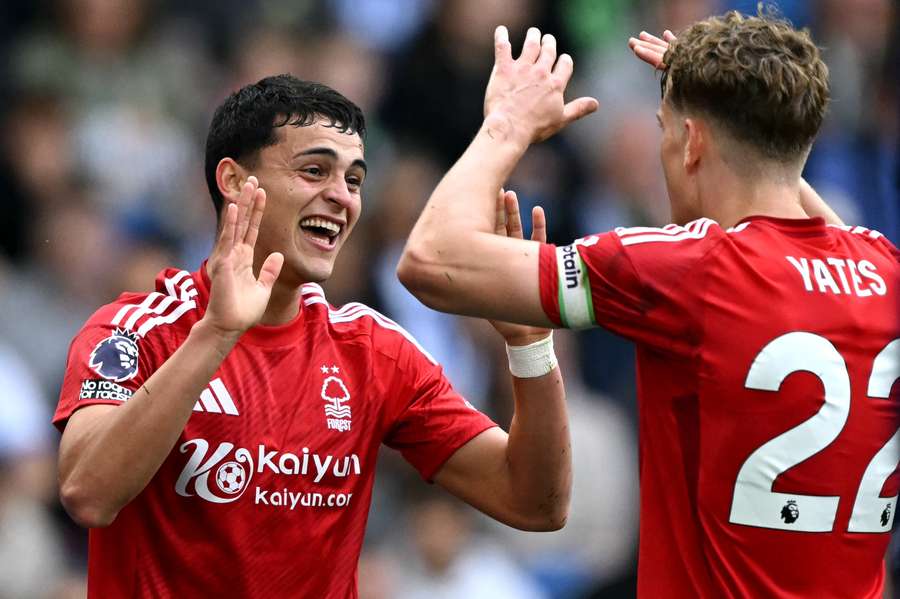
(105, 105)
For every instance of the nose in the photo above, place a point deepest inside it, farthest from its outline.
(338, 193)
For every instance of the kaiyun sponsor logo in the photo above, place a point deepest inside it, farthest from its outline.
(233, 469)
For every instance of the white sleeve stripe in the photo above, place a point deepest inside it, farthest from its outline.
(693, 226)
(183, 297)
(667, 230)
(209, 402)
(356, 310)
(738, 228)
(695, 230)
(174, 280)
(311, 289)
(168, 319)
(159, 309)
(185, 289)
(858, 230)
(361, 310)
(315, 300)
(224, 397)
(140, 307)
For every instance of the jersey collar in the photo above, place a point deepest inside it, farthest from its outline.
(268, 336)
(806, 227)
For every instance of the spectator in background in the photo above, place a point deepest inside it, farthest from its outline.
(32, 563)
(450, 559)
(597, 547)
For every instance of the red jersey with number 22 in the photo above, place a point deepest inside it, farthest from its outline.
(768, 356)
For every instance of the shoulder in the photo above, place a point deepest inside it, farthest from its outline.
(645, 251)
(700, 231)
(863, 235)
(171, 307)
(357, 320)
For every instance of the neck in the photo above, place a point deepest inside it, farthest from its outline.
(736, 198)
(284, 304)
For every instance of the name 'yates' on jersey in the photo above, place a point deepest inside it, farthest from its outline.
(839, 276)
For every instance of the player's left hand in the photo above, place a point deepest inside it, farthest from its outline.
(527, 94)
(509, 224)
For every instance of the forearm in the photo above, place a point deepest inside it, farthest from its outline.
(460, 211)
(539, 452)
(814, 205)
(102, 471)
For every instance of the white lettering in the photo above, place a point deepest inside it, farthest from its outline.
(857, 281)
(265, 459)
(839, 264)
(823, 277)
(802, 267)
(851, 275)
(867, 269)
(321, 467)
(285, 466)
(338, 424)
(291, 499)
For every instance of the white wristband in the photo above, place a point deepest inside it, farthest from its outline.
(533, 360)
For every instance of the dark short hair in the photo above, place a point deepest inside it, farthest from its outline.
(248, 119)
(759, 78)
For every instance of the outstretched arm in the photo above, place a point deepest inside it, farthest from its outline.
(453, 261)
(108, 454)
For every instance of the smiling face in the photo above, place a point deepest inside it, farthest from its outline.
(312, 176)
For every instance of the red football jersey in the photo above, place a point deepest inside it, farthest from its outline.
(267, 491)
(767, 359)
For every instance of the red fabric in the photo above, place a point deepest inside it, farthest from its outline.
(187, 536)
(701, 308)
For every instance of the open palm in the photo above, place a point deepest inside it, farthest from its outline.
(509, 224)
(238, 298)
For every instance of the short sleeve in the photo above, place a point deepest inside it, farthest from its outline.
(635, 282)
(432, 420)
(106, 365)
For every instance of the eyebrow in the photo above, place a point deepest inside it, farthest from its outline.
(323, 151)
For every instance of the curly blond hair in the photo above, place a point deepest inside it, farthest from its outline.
(758, 77)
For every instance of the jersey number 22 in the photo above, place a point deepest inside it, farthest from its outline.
(754, 503)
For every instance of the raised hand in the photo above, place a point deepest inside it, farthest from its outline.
(509, 224)
(527, 93)
(650, 48)
(238, 299)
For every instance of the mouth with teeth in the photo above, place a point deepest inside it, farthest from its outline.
(323, 233)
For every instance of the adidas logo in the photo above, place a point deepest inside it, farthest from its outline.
(215, 399)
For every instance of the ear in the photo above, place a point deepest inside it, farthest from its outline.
(230, 177)
(695, 144)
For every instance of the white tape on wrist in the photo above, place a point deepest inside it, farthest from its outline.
(533, 360)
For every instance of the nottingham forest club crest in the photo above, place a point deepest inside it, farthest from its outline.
(335, 394)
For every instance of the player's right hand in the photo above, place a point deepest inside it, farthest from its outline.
(238, 298)
(650, 48)
(526, 94)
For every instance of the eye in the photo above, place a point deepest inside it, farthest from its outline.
(354, 182)
(313, 171)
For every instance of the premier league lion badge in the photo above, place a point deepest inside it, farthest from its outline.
(116, 357)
